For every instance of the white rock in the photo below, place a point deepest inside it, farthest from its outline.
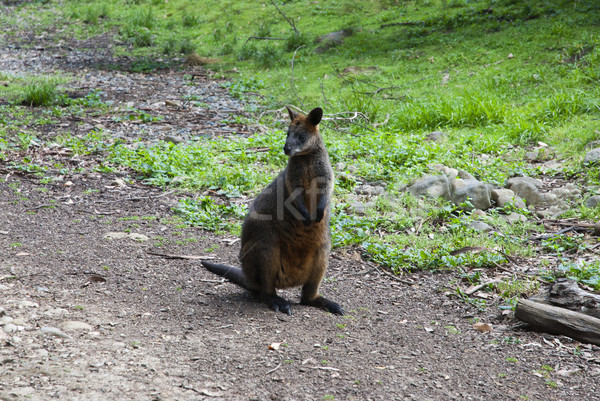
(56, 312)
(11, 328)
(53, 332)
(120, 235)
(74, 325)
(514, 218)
(28, 304)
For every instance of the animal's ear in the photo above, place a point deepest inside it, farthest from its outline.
(315, 115)
(292, 113)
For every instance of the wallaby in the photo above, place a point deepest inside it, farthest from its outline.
(285, 236)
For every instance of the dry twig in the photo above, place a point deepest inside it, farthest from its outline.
(291, 22)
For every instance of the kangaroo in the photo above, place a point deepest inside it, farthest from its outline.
(285, 235)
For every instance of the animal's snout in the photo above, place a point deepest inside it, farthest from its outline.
(287, 149)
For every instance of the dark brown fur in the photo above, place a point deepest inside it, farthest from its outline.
(285, 236)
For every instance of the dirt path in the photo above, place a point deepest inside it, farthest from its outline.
(90, 318)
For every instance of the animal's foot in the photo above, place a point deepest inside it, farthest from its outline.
(324, 303)
(279, 304)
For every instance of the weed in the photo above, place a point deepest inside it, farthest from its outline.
(190, 20)
(207, 214)
(42, 91)
(296, 40)
(269, 56)
(144, 18)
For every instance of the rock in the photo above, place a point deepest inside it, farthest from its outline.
(337, 36)
(516, 180)
(332, 39)
(556, 210)
(529, 192)
(465, 175)
(514, 218)
(5, 320)
(53, 332)
(20, 393)
(340, 166)
(370, 190)
(597, 228)
(505, 197)
(591, 202)
(457, 184)
(56, 312)
(437, 186)
(361, 207)
(175, 139)
(478, 225)
(478, 213)
(592, 157)
(477, 193)
(539, 154)
(28, 304)
(569, 192)
(76, 326)
(119, 235)
(11, 328)
(592, 144)
(435, 136)
(451, 173)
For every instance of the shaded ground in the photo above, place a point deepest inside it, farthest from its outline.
(126, 324)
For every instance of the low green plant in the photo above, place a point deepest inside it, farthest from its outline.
(207, 214)
(42, 91)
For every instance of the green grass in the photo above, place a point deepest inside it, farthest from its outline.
(496, 76)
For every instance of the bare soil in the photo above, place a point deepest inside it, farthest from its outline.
(109, 319)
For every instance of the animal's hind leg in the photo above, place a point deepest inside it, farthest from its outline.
(261, 267)
(310, 290)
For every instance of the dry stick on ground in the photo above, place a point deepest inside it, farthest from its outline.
(139, 198)
(261, 38)
(286, 18)
(186, 257)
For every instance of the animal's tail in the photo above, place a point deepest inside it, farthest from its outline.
(231, 273)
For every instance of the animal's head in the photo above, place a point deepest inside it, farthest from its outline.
(303, 133)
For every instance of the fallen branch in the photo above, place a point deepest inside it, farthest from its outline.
(560, 321)
(139, 198)
(274, 369)
(286, 18)
(185, 257)
(473, 289)
(566, 293)
(261, 38)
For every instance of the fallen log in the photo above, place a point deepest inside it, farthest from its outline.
(566, 293)
(555, 320)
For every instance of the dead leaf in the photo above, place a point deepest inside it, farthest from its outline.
(274, 346)
(482, 327)
(428, 329)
